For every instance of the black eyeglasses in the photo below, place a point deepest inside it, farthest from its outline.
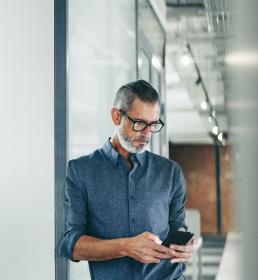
(138, 125)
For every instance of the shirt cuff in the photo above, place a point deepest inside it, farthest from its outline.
(176, 226)
(68, 242)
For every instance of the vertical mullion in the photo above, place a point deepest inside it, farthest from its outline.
(60, 128)
(137, 38)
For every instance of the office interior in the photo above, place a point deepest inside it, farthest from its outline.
(61, 65)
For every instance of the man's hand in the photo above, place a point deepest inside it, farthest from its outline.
(146, 248)
(182, 253)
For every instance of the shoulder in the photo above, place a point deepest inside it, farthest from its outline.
(86, 161)
(163, 161)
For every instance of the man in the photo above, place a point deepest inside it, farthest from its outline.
(122, 200)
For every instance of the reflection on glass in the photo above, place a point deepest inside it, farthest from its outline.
(144, 66)
(150, 27)
(151, 53)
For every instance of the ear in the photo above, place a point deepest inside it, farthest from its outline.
(116, 116)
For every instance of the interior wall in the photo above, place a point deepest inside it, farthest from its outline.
(27, 140)
(198, 164)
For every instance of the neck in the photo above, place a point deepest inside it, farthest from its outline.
(117, 146)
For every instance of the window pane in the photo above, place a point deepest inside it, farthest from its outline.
(101, 59)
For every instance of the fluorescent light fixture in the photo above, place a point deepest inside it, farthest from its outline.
(210, 119)
(204, 105)
(155, 61)
(186, 60)
(215, 130)
(242, 58)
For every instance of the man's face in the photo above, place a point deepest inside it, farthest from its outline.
(137, 141)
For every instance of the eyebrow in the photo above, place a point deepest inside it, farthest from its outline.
(141, 120)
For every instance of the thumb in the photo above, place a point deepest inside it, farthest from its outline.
(154, 238)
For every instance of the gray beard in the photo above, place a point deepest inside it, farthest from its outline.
(126, 143)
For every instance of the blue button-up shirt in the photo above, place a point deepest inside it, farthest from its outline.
(107, 200)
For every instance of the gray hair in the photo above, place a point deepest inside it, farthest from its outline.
(127, 93)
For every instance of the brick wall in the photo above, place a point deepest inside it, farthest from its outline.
(198, 164)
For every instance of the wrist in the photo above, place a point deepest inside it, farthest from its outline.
(124, 247)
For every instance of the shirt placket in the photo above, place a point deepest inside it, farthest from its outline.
(131, 203)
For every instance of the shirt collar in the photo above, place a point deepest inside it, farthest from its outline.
(110, 152)
(113, 155)
(139, 157)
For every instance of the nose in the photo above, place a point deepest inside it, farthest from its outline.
(147, 132)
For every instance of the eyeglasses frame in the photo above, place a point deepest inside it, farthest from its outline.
(147, 124)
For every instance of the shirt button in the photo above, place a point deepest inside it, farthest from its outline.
(131, 197)
(132, 220)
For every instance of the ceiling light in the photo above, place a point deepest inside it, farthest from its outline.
(215, 130)
(210, 119)
(186, 60)
(204, 105)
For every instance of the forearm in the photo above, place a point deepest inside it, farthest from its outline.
(94, 249)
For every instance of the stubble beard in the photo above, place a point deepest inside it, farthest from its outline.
(127, 143)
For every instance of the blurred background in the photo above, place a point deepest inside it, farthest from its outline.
(61, 65)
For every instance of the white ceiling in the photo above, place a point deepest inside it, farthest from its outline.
(187, 122)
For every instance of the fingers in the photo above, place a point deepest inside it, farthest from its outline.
(181, 255)
(149, 259)
(162, 256)
(159, 255)
(191, 241)
(161, 248)
(154, 251)
(178, 260)
(158, 251)
(165, 252)
(183, 248)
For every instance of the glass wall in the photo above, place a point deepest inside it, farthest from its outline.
(151, 43)
(101, 57)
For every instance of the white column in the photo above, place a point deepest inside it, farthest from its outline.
(27, 139)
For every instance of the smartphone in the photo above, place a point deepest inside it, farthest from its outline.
(178, 238)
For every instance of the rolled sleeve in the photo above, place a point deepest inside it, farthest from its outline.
(76, 212)
(177, 204)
